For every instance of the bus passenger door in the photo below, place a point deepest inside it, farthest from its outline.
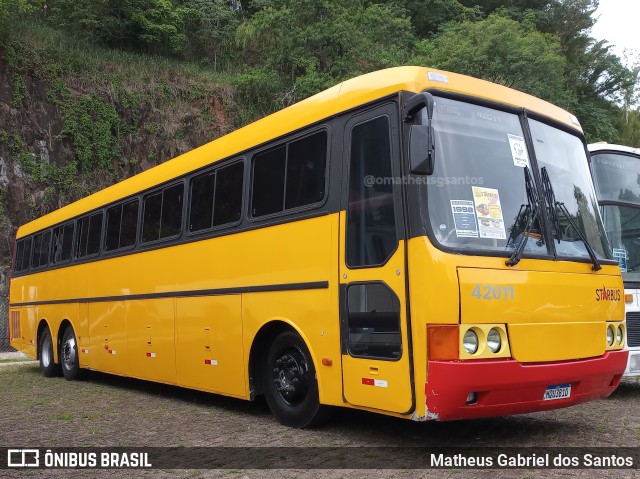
(376, 369)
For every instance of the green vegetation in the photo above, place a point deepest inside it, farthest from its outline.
(65, 416)
(108, 113)
(276, 52)
(114, 87)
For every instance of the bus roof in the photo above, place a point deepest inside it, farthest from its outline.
(342, 97)
(603, 145)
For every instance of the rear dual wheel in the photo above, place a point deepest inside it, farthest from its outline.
(69, 359)
(48, 367)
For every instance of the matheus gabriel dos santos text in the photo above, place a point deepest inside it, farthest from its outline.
(532, 460)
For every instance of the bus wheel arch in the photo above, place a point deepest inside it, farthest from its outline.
(259, 348)
(68, 352)
(282, 368)
(45, 350)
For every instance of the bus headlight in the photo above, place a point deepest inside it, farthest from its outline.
(470, 341)
(494, 341)
(619, 334)
(610, 335)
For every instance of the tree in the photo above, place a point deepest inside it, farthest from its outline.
(210, 29)
(10, 10)
(503, 51)
(308, 45)
(152, 26)
(429, 16)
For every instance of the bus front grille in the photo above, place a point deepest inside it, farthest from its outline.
(633, 329)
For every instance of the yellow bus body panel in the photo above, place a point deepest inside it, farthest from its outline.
(209, 349)
(551, 316)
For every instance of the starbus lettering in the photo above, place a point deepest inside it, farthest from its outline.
(604, 294)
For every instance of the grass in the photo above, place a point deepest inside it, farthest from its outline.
(65, 416)
(15, 360)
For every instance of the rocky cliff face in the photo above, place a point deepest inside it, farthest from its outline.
(73, 121)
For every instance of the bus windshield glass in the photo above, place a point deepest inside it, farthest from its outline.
(617, 179)
(483, 194)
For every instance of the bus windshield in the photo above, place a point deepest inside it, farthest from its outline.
(617, 178)
(483, 189)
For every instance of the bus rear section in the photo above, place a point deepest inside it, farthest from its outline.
(615, 170)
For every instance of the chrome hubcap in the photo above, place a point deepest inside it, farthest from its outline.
(46, 351)
(69, 353)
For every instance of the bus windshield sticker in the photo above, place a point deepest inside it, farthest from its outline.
(620, 255)
(518, 150)
(464, 218)
(490, 220)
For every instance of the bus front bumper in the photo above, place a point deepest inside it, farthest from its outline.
(504, 387)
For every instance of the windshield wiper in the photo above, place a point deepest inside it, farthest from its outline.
(553, 206)
(550, 202)
(531, 210)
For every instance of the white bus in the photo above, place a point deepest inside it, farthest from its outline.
(616, 174)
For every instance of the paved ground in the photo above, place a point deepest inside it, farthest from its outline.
(13, 355)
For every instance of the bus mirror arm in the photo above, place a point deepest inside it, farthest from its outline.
(421, 137)
(416, 103)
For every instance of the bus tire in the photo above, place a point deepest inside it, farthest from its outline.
(48, 367)
(69, 358)
(291, 387)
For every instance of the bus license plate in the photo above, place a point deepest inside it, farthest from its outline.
(559, 391)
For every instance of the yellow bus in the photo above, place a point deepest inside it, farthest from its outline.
(411, 242)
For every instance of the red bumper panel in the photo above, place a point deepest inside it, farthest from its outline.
(509, 387)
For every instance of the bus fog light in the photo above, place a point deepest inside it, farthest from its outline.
(494, 341)
(470, 341)
(619, 334)
(610, 335)
(472, 398)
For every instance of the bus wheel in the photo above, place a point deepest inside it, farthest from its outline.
(69, 355)
(45, 352)
(291, 387)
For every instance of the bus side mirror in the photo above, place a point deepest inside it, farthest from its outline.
(421, 149)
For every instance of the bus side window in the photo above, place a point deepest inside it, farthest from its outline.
(19, 263)
(26, 254)
(67, 243)
(114, 216)
(373, 321)
(371, 228)
(37, 250)
(122, 223)
(129, 224)
(228, 194)
(306, 167)
(61, 243)
(89, 237)
(201, 210)
(290, 176)
(267, 192)
(163, 214)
